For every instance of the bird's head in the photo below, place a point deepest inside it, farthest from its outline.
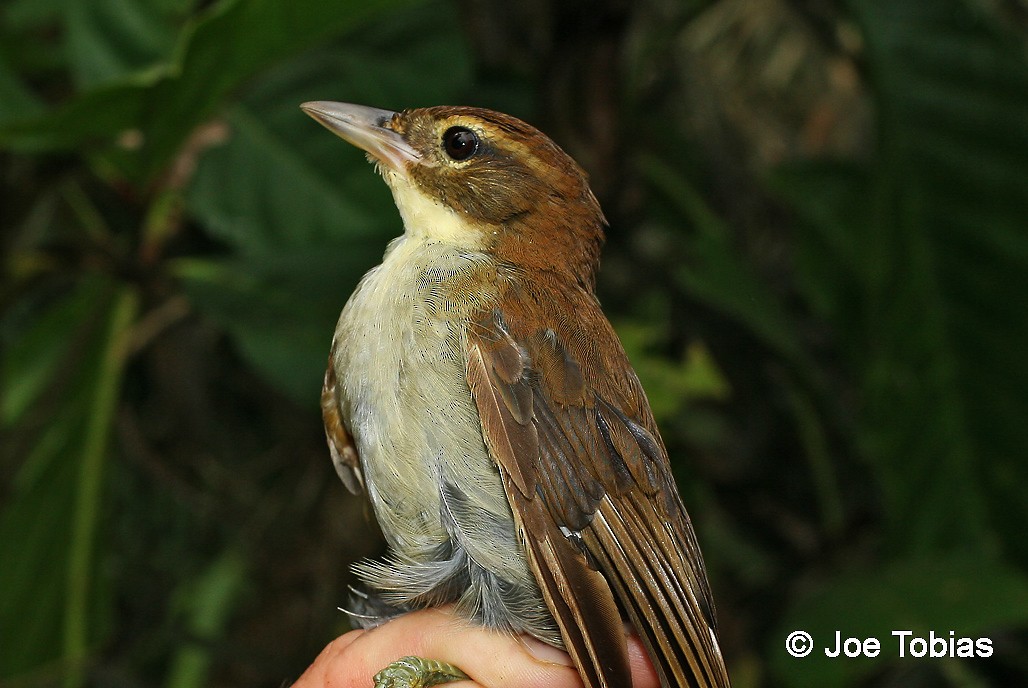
(481, 180)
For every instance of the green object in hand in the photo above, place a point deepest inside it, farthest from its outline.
(415, 672)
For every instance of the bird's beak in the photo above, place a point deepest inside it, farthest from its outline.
(367, 128)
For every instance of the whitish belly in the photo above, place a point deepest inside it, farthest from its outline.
(399, 359)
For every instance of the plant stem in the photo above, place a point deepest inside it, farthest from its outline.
(90, 481)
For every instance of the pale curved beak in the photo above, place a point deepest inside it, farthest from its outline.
(367, 128)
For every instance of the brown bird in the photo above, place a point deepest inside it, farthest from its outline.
(478, 394)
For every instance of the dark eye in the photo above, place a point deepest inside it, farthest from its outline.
(460, 143)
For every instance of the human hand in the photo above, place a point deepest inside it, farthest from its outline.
(491, 659)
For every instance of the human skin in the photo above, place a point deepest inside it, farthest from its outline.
(493, 660)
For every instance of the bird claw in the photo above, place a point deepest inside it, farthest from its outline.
(417, 672)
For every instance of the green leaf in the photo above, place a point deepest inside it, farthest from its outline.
(111, 39)
(96, 115)
(208, 602)
(215, 52)
(230, 44)
(970, 596)
(64, 408)
(36, 347)
(260, 195)
(670, 384)
(280, 311)
(34, 544)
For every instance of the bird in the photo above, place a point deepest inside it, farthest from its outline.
(478, 395)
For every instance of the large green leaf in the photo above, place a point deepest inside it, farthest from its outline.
(216, 51)
(229, 45)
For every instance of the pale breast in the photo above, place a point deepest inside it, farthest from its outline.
(435, 490)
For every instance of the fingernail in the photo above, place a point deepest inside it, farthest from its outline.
(544, 652)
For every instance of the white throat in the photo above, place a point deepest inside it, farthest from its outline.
(427, 219)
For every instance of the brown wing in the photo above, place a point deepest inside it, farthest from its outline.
(340, 444)
(587, 475)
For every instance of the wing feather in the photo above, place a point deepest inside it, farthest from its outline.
(505, 438)
(340, 443)
(584, 607)
(592, 491)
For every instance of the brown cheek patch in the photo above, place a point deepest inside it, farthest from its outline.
(491, 190)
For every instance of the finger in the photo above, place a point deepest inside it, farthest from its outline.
(341, 665)
(330, 666)
(490, 658)
(643, 673)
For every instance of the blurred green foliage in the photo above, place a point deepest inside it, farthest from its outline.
(817, 261)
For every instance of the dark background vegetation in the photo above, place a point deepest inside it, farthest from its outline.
(817, 261)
